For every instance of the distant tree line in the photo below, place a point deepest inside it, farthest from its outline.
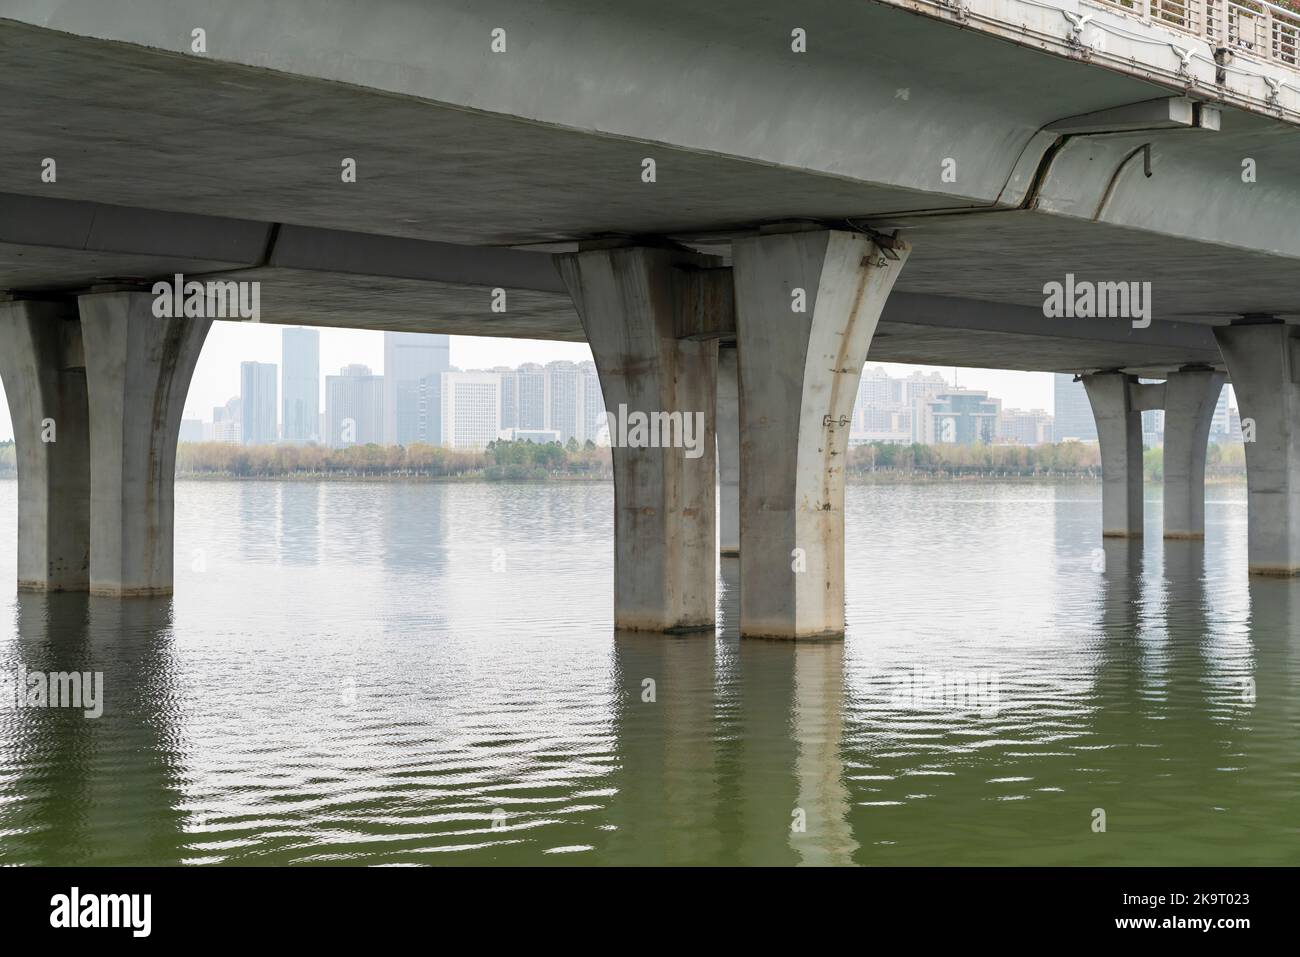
(1075, 459)
(500, 460)
(531, 460)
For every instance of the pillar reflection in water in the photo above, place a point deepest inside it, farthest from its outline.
(94, 791)
(818, 726)
(738, 757)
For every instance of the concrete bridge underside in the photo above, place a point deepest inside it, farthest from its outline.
(996, 165)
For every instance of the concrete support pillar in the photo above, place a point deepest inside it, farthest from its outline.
(138, 370)
(728, 453)
(665, 553)
(807, 304)
(1264, 363)
(1190, 398)
(1119, 433)
(45, 382)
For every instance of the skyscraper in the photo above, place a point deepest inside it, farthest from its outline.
(226, 422)
(354, 407)
(413, 359)
(1025, 427)
(960, 417)
(471, 409)
(1072, 413)
(257, 395)
(593, 403)
(509, 396)
(300, 385)
(530, 385)
(1221, 424)
(562, 398)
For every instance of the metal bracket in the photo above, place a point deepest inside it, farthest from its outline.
(956, 7)
(1075, 37)
(1184, 61)
(1274, 91)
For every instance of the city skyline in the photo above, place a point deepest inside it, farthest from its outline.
(216, 378)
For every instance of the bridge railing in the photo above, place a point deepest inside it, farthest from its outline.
(1248, 27)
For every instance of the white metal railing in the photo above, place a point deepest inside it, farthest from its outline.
(1252, 27)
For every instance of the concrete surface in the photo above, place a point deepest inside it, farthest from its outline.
(664, 536)
(799, 373)
(45, 382)
(138, 371)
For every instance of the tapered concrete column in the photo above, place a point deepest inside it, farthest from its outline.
(45, 382)
(807, 304)
(1119, 433)
(1190, 398)
(728, 453)
(138, 370)
(1264, 363)
(665, 556)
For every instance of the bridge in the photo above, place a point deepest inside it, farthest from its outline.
(735, 204)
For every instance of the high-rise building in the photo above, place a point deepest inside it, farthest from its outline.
(1072, 413)
(563, 398)
(1153, 428)
(1221, 423)
(592, 402)
(879, 414)
(226, 425)
(471, 409)
(530, 386)
(921, 384)
(257, 403)
(300, 384)
(509, 396)
(879, 390)
(873, 424)
(354, 407)
(413, 365)
(1025, 427)
(959, 417)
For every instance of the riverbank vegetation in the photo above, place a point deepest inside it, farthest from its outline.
(499, 461)
(890, 462)
(879, 461)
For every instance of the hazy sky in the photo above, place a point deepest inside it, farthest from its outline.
(217, 377)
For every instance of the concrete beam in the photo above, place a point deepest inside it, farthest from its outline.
(138, 370)
(1190, 398)
(1119, 433)
(807, 304)
(1171, 112)
(1264, 363)
(45, 382)
(665, 555)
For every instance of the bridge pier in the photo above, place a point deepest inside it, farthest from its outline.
(807, 304)
(665, 555)
(138, 370)
(1190, 398)
(44, 377)
(728, 453)
(1263, 360)
(1119, 434)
